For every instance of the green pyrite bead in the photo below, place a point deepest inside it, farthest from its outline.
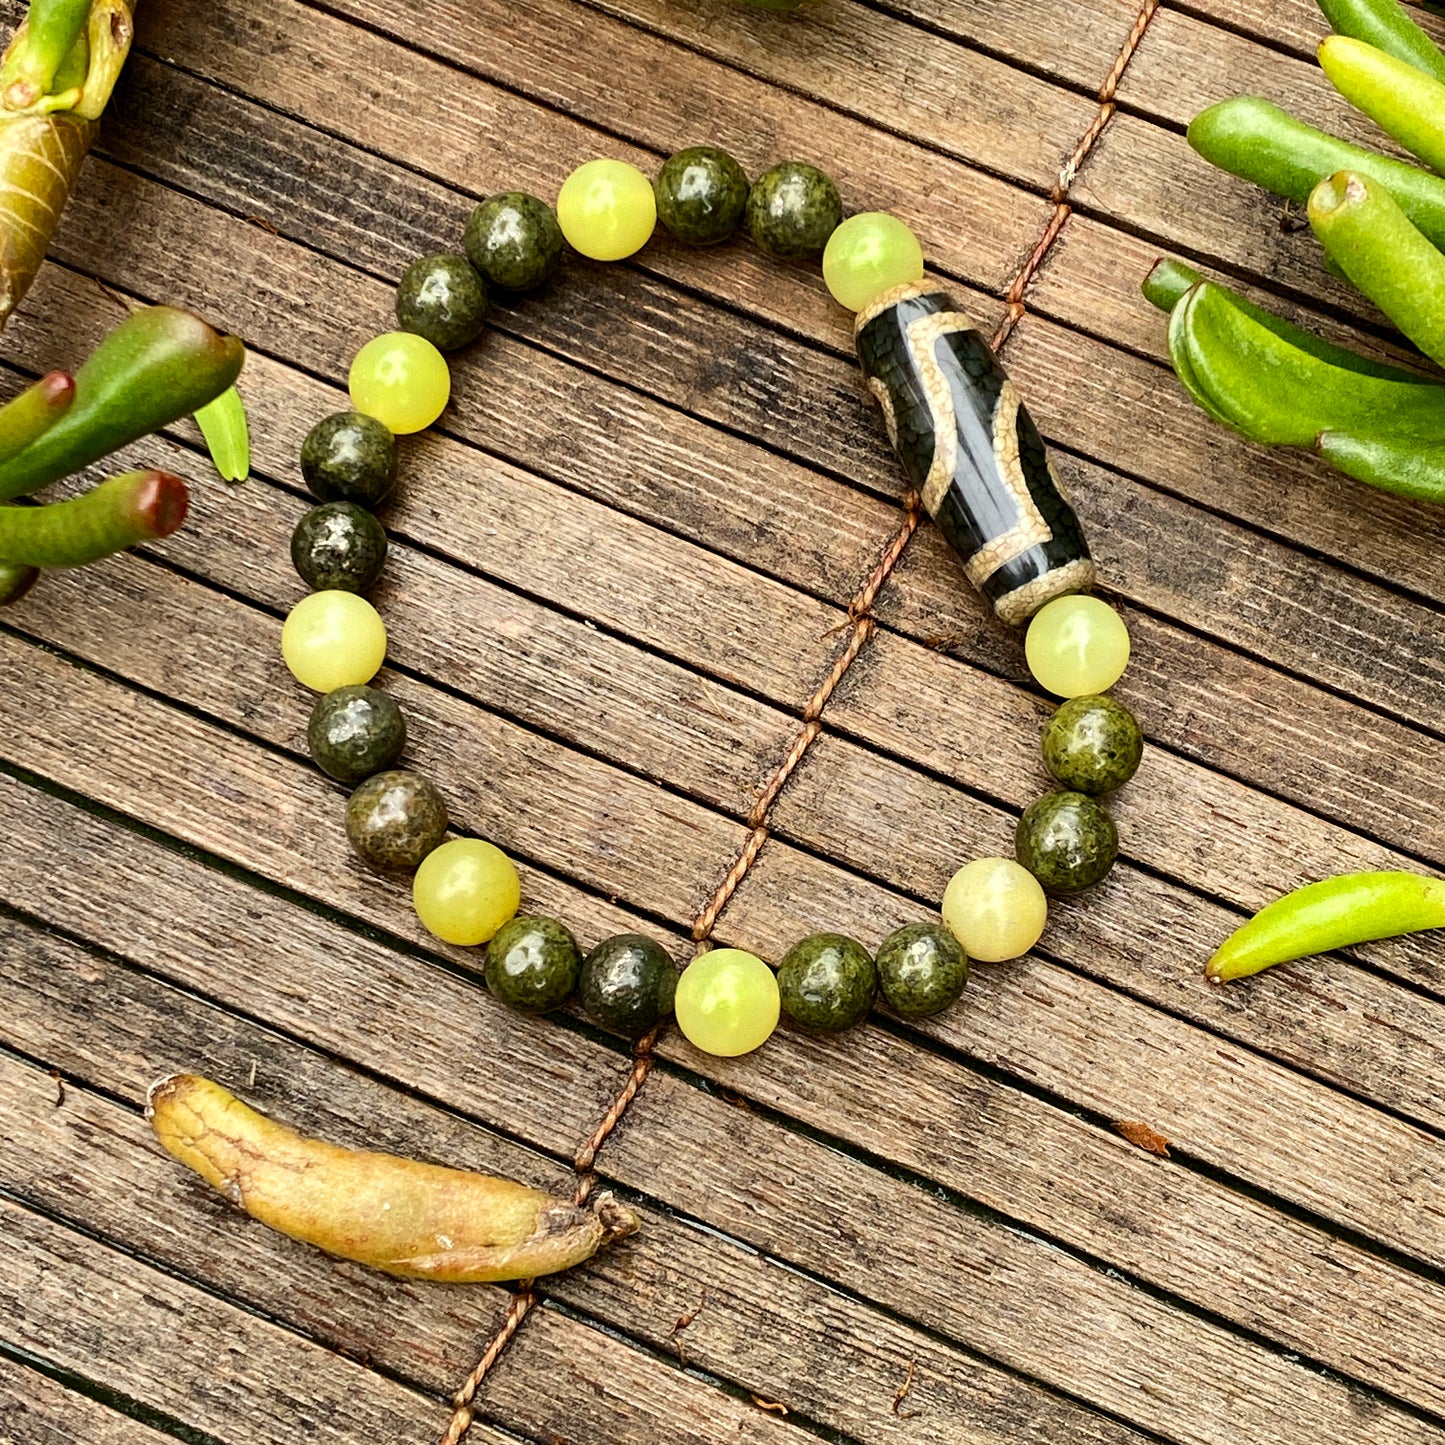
(395, 819)
(701, 195)
(339, 546)
(443, 299)
(792, 210)
(1067, 841)
(349, 457)
(355, 732)
(532, 964)
(971, 449)
(922, 969)
(628, 983)
(827, 983)
(514, 240)
(1092, 744)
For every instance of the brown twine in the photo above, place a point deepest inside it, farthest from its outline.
(1069, 172)
(861, 625)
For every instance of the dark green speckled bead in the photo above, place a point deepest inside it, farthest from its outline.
(514, 240)
(628, 983)
(1093, 744)
(339, 546)
(532, 964)
(793, 209)
(395, 819)
(702, 193)
(349, 457)
(922, 969)
(355, 732)
(1067, 841)
(827, 983)
(442, 299)
(15, 582)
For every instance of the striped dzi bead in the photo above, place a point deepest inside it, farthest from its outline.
(972, 450)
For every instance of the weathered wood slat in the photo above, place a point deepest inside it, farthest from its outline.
(1295, 24)
(82, 1305)
(151, 1046)
(1185, 64)
(92, 1311)
(769, 1328)
(1203, 1128)
(1403, 1067)
(863, 62)
(667, 93)
(36, 1410)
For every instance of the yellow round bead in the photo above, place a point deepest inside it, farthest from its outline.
(607, 210)
(465, 890)
(402, 380)
(995, 908)
(727, 1002)
(333, 639)
(1077, 646)
(869, 254)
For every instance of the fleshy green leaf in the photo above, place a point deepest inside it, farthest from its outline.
(223, 424)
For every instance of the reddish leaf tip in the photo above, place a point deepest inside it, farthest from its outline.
(163, 501)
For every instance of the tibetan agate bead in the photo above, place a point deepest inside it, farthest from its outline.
(972, 450)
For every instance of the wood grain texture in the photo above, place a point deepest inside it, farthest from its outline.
(616, 577)
(40, 1011)
(36, 1410)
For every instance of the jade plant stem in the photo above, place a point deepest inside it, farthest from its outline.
(119, 513)
(31, 414)
(1259, 142)
(1384, 24)
(158, 365)
(56, 78)
(1401, 100)
(1334, 913)
(1363, 229)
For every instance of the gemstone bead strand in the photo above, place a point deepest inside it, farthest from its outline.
(466, 891)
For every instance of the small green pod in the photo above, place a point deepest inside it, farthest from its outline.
(1385, 24)
(1333, 913)
(1170, 281)
(1277, 394)
(122, 512)
(1250, 138)
(1401, 100)
(1360, 225)
(158, 365)
(1393, 464)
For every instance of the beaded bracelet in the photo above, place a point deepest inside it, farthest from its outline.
(971, 451)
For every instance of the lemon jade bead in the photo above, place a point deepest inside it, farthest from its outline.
(995, 908)
(870, 254)
(727, 1002)
(465, 890)
(1076, 646)
(607, 210)
(402, 380)
(333, 639)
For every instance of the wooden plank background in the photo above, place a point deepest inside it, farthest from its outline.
(620, 568)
